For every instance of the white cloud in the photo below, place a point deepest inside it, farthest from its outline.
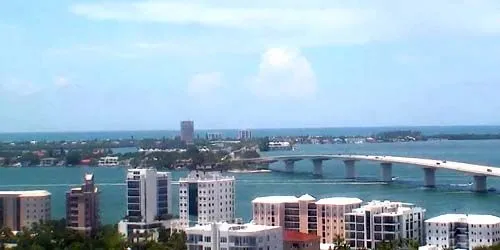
(204, 84)
(311, 23)
(284, 73)
(61, 82)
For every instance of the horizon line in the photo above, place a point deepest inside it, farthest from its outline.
(225, 129)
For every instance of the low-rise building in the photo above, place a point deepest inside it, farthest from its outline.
(20, 209)
(224, 236)
(304, 214)
(108, 161)
(48, 162)
(378, 221)
(293, 240)
(464, 231)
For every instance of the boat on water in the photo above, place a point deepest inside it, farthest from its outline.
(394, 178)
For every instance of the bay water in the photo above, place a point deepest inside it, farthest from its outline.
(452, 193)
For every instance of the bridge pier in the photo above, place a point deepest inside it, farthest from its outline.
(429, 177)
(318, 167)
(386, 171)
(350, 169)
(480, 183)
(289, 166)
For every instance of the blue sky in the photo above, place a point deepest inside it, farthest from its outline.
(135, 65)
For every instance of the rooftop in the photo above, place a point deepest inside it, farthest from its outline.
(226, 227)
(32, 193)
(339, 201)
(465, 218)
(275, 199)
(298, 236)
(307, 197)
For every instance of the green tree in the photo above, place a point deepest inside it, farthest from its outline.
(264, 144)
(73, 158)
(340, 243)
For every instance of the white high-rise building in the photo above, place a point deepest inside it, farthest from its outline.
(324, 218)
(244, 135)
(463, 231)
(223, 236)
(367, 226)
(206, 197)
(148, 199)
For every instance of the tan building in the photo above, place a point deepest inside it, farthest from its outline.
(324, 218)
(82, 206)
(20, 209)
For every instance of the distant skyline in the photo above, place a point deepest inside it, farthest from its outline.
(147, 65)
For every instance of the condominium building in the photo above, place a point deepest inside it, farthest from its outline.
(244, 135)
(206, 197)
(82, 206)
(463, 231)
(367, 226)
(214, 136)
(224, 236)
(187, 131)
(20, 209)
(148, 200)
(324, 217)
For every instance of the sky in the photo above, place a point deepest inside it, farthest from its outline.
(138, 65)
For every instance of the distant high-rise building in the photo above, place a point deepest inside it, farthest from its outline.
(206, 197)
(148, 200)
(378, 221)
(244, 135)
(214, 136)
(20, 209)
(324, 218)
(82, 206)
(187, 131)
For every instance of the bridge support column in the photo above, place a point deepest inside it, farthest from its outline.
(350, 169)
(318, 167)
(289, 165)
(386, 171)
(429, 177)
(480, 183)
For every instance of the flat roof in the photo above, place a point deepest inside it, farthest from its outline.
(339, 201)
(226, 227)
(30, 193)
(275, 199)
(465, 218)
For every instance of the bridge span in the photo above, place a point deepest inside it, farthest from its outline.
(429, 166)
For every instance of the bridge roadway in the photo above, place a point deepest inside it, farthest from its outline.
(479, 172)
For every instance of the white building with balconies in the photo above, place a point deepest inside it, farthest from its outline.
(223, 236)
(378, 221)
(206, 197)
(462, 231)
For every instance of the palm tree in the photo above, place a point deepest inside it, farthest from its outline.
(6, 236)
(340, 243)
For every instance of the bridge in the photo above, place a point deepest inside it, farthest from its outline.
(429, 166)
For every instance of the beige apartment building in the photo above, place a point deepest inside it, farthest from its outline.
(82, 206)
(304, 214)
(20, 209)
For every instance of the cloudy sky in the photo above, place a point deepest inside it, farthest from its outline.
(135, 65)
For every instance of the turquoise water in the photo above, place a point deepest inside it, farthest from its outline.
(452, 193)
